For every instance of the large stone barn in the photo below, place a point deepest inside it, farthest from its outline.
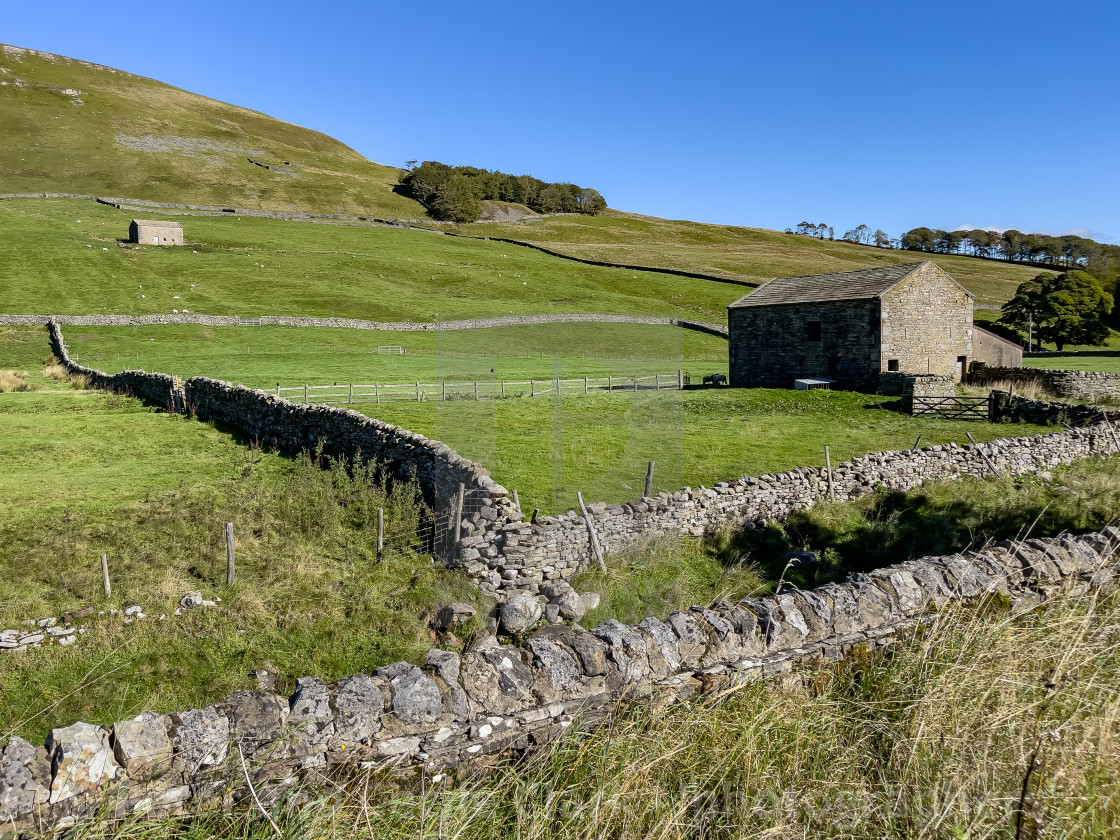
(850, 327)
(145, 232)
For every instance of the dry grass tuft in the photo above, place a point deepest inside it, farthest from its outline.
(1034, 389)
(13, 381)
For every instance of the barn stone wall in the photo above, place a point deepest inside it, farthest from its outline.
(500, 696)
(768, 346)
(927, 324)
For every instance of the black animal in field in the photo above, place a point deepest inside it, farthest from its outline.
(715, 379)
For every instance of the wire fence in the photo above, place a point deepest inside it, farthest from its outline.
(478, 390)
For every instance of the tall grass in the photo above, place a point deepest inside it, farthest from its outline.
(981, 726)
(13, 381)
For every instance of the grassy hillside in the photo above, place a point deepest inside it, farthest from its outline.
(247, 266)
(736, 252)
(72, 126)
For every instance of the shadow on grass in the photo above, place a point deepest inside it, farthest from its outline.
(890, 526)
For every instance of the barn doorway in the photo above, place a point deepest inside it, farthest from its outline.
(962, 365)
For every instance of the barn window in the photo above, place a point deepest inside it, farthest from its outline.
(892, 364)
(813, 330)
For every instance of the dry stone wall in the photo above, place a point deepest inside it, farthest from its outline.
(356, 323)
(521, 556)
(438, 469)
(503, 695)
(1071, 384)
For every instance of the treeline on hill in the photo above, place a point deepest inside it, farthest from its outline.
(456, 193)
(1068, 251)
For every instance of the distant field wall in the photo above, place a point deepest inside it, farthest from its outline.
(718, 330)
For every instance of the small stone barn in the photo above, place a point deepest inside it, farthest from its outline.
(851, 327)
(144, 232)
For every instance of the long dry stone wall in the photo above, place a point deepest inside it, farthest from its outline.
(523, 556)
(1071, 384)
(502, 695)
(358, 324)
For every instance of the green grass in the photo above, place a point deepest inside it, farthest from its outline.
(250, 267)
(263, 356)
(54, 142)
(1105, 364)
(600, 444)
(738, 252)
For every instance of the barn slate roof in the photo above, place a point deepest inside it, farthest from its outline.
(150, 222)
(861, 284)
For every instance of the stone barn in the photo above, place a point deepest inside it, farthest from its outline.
(993, 350)
(144, 232)
(851, 327)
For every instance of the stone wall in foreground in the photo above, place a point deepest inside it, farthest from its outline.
(502, 696)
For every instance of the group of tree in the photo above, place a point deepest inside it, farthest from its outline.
(861, 234)
(1066, 308)
(456, 193)
(1066, 251)
(1063, 252)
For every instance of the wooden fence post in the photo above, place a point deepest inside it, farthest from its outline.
(106, 588)
(609, 383)
(585, 384)
(305, 393)
(476, 389)
(828, 467)
(380, 532)
(351, 393)
(417, 392)
(649, 480)
(680, 379)
(989, 464)
(443, 391)
(532, 388)
(594, 538)
(503, 387)
(231, 568)
(459, 512)
(278, 390)
(376, 393)
(635, 383)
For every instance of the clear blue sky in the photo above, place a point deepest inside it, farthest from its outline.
(1002, 114)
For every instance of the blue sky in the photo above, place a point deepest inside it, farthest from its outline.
(890, 114)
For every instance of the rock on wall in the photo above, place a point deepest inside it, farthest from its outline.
(500, 696)
(1071, 384)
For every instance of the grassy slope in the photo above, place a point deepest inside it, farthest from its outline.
(738, 252)
(267, 267)
(89, 472)
(51, 141)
